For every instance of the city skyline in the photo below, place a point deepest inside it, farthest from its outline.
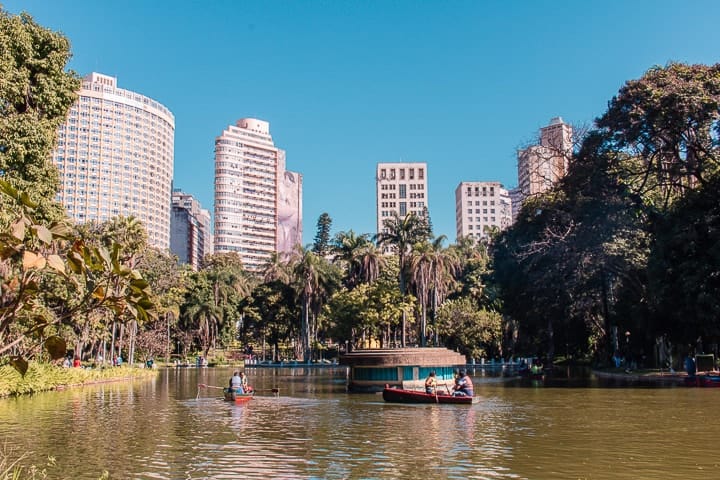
(346, 86)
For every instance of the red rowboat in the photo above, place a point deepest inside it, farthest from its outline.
(237, 397)
(398, 395)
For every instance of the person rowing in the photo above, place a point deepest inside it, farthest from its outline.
(431, 383)
(236, 383)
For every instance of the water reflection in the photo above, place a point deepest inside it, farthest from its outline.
(173, 429)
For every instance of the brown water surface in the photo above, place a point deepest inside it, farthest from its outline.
(162, 429)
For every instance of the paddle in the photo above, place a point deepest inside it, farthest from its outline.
(202, 385)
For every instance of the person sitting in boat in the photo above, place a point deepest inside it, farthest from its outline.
(431, 383)
(236, 384)
(690, 367)
(463, 385)
(246, 388)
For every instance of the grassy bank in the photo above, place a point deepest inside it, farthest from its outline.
(42, 377)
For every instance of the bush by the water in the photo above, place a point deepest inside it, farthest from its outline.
(42, 377)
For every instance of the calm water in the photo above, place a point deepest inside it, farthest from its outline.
(162, 429)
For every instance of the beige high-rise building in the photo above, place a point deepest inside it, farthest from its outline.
(115, 156)
(541, 166)
(190, 230)
(401, 188)
(481, 207)
(258, 204)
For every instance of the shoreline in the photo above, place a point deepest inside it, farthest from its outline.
(45, 378)
(658, 378)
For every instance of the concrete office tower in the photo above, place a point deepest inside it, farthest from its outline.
(401, 188)
(541, 166)
(481, 207)
(258, 204)
(115, 156)
(190, 229)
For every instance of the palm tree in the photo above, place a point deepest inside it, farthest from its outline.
(371, 262)
(276, 270)
(345, 247)
(315, 280)
(443, 272)
(420, 266)
(205, 316)
(401, 234)
(432, 270)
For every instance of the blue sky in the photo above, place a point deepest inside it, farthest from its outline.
(460, 85)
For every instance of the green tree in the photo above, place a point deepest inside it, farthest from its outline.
(684, 268)
(399, 235)
(666, 122)
(52, 278)
(321, 245)
(36, 92)
(316, 279)
(358, 256)
(473, 332)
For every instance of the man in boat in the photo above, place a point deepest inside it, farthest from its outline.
(463, 385)
(431, 383)
(236, 384)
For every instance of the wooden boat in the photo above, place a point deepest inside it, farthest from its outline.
(237, 397)
(399, 395)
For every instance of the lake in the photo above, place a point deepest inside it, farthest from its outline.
(170, 428)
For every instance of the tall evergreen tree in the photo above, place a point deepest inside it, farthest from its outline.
(321, 245)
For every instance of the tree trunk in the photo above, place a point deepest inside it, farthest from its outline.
(112, 343)
(131, 353)
(305, 334)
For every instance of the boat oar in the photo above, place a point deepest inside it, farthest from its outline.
(202, 385)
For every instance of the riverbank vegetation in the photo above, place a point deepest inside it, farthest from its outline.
(41, 377)
(623, 254)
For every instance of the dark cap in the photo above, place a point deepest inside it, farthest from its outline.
(462, 372)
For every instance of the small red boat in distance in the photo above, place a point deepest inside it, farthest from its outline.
(399, 395)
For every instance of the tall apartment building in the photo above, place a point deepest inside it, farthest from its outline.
(190, 229)
(541, 166)
(516, 200)
(115, 156)
(481, 207)
(258, 204)
(401, 188)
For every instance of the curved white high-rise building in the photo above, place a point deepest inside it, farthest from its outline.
(115, 156)
(258, 204)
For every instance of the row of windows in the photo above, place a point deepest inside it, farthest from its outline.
(390, 173)
(477, 210)
(484, 192)
(485, 219)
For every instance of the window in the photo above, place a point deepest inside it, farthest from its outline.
(402, 190)
(402, 174)
(403, 209)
